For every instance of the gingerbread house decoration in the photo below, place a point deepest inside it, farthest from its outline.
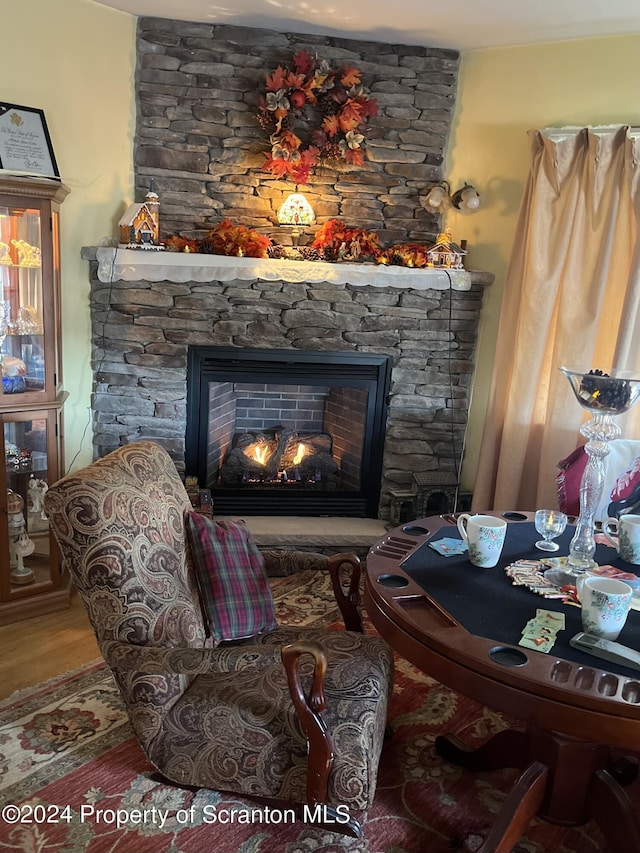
(139, 227)
(446, 253)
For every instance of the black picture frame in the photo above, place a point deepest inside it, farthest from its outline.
(25, 144)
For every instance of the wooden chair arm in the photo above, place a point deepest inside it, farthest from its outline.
(349, 604)
(309, 710)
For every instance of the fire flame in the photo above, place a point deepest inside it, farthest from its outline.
(258, 452)
(300, 454)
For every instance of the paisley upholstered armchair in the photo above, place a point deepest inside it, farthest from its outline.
(292, 714)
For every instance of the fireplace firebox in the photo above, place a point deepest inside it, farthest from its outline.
(287, 432)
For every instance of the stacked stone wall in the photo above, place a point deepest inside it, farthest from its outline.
(198, 137)
(142, 331)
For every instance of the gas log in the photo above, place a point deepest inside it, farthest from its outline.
(279, 456)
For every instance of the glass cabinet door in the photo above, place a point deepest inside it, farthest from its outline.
(31, 395)
(26, 263)
(30, 562)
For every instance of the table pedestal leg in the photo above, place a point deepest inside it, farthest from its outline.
(523, 802)
(564, 781)
(508, 748)
(611, 810)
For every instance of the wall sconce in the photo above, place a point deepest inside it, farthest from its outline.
(295, 210)
(466, 199)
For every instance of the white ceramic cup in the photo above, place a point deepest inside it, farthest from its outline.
(484, 535)
(605, 605)
(627, 540)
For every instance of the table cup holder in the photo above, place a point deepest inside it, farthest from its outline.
(393, 581)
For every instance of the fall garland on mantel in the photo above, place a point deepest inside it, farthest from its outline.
(313, 113)
(223, 239)
(334, 241)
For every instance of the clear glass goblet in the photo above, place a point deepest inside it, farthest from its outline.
(549, 524)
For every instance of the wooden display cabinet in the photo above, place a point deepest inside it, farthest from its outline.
(31, 397)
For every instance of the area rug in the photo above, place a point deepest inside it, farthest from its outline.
(73, 779)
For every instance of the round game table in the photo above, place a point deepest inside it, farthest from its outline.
(461, 625)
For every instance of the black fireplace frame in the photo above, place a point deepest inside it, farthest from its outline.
(371, 371)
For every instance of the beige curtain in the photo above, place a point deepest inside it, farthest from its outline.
(572, 298)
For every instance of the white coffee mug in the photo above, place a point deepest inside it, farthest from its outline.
(627, 541)
(484, 535)
(605, 605)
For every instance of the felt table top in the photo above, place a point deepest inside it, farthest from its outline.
(486, 603)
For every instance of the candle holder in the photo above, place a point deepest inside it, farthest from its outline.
(605, 396)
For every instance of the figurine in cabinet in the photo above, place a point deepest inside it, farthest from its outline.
(20, 545)
(37, 490)
(28, 255)
(13, 373)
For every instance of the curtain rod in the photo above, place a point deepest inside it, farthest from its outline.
(558, 133)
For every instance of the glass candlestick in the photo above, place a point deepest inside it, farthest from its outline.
(605, 396)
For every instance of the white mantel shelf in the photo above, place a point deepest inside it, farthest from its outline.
(149, 265)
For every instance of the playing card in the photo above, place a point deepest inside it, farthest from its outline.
(449, 547)
(540, 644)
(533, 628)
(540, 632)
(551, 618)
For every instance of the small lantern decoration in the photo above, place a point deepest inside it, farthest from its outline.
(295, 210)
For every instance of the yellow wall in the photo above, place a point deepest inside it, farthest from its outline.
(502, 93)
(74, 59)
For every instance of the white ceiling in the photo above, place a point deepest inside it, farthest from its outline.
(459, 24)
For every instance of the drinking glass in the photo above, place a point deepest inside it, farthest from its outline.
(549, 524)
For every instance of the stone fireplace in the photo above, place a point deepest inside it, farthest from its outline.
(150, 314)
(199, 140)
(284, 432)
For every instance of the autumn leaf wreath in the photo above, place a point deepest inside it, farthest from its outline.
(313, 113)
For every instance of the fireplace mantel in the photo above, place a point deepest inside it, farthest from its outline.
(145, 323)
(149, 265)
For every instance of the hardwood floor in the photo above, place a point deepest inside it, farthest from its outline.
(38, 649)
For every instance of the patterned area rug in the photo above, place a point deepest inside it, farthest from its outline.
(69, 761)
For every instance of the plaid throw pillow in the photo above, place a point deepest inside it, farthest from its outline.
(236, 596)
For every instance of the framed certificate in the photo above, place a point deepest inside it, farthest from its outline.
(25, 144)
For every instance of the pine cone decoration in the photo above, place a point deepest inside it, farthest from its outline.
(207, 246)
(311, 254)
(264, 121)
(328, 106)
(276, 251)
(331, 150)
